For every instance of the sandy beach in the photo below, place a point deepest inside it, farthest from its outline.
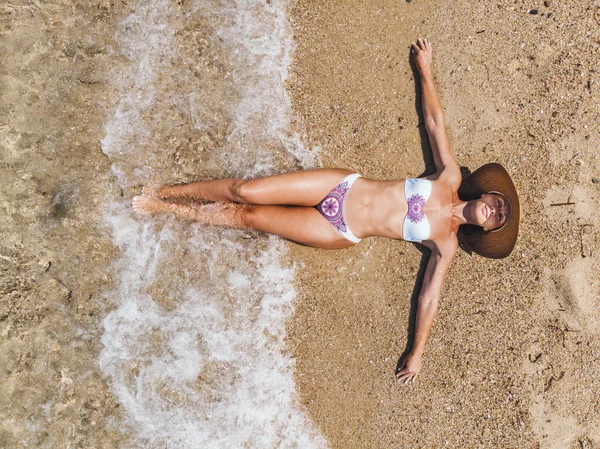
(512, 360)
(109, 323)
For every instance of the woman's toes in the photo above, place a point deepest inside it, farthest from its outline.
(144, 205)
(137, 203)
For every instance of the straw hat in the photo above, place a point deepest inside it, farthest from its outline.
(499, 243)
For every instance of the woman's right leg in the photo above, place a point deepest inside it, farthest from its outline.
(303, 225)
(301, 188)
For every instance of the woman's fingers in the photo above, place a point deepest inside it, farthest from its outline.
(407, 377)
(403, 374)
(420, 45)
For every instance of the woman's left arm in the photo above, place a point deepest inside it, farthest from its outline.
(438, 265)
(433, 114)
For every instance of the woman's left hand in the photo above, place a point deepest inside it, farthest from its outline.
(422, 52)
(409, 370)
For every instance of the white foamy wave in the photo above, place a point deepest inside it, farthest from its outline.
(260, 44)
(145, 39)
(194, 349)
(210, 373)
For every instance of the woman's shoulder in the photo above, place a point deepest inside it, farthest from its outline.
(445, 245)
(448, 175)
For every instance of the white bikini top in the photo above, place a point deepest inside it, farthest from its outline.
(416, 225)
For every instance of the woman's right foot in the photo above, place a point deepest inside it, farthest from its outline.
(145, 205)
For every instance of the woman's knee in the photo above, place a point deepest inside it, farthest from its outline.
(248, 216)
(257, 217)
(229, 215)
(238, 191)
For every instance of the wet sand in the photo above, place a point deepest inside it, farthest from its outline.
(512, 360)
(54, 256)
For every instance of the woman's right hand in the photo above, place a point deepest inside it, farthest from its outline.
(422, 52)
(410, 367)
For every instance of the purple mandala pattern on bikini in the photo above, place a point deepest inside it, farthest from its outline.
(332, 206)
(415, 208)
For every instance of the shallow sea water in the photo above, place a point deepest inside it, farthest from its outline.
(195, 346)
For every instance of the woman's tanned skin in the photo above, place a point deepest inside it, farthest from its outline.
(284, 205)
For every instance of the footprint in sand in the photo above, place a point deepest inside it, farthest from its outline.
(575, 294)
(563, 375)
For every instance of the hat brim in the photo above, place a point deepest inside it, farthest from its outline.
(498, 243)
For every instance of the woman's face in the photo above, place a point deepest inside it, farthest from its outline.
(491, 211)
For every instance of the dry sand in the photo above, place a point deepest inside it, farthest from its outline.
(512, 361)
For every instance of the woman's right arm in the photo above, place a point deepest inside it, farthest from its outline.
(427, 307)
(432, 108)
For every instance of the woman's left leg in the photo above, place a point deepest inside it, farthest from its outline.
(300, 188)
(303, 225)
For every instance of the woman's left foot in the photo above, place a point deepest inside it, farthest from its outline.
(144, 205)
